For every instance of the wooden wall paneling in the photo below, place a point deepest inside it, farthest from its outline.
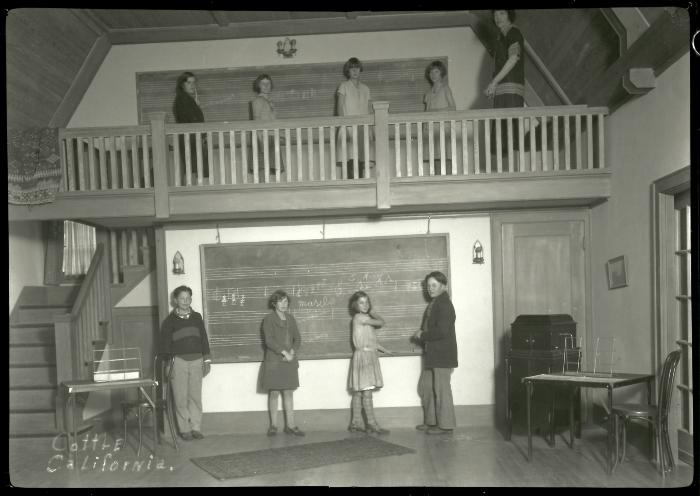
(300, 90)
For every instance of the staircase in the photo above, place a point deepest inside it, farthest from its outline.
(33, 359)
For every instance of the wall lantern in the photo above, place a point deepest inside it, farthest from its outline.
(178, 264)
(287, 48)
(477, 253)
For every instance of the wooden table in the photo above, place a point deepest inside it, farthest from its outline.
(71, 388)
(578, 380)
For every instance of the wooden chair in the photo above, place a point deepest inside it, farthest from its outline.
(141, 407)
(656, 416)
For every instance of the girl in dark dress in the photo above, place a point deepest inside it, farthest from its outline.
(280, 366)
(186, 110)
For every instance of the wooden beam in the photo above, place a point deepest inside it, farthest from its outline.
(659, 47)
(639, 80)
(221, 18)
(617, 26)
(81, 82)
(91, 21)
(290, 27)
(634, 22)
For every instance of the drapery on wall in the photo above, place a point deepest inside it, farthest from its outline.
(33, 165)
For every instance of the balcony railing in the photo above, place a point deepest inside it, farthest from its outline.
(559, 140)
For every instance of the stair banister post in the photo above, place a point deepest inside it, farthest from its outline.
(381, 153)
(160, 164)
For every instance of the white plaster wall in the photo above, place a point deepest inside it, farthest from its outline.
(26, 253)
(111, 98)
(647, 139)
(232, 387)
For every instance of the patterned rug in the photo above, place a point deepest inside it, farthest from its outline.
(34, 165)
(302, 456)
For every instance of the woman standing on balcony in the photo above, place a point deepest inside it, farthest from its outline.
(263, 109)
(439, 97)
(353, 99)
(507, 88)
(186, 110)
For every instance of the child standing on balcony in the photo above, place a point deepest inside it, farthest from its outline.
(365, 373)
(439, 97)
(353, 99)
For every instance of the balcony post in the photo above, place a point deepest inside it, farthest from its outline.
(381, 153)
(160, 164)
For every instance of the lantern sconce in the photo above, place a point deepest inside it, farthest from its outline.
(477, 253)
(287, 48)
(178, 264)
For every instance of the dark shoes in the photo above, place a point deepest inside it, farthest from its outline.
(375, 429)
(197, 435)
(294, 431)
(356, 428)
(187, 436)
(438, 431)
(272, 431)
(424, 427)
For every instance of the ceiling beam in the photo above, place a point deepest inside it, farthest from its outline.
(81, 82)
(91, 21)
(290, 27)
(634, 22)
(660, 46)
(220, 17)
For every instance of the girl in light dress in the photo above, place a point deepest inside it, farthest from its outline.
(262, 109)
(353, 99)
(439, 97)
(365, 373)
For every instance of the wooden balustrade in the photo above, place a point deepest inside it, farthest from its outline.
(128, 247)
(470, 142)
(497, 141)
(106, 158)
(89, 321)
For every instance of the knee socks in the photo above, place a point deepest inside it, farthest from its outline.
(369, 408)
(357, 409)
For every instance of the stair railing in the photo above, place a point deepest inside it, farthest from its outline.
(89, 321)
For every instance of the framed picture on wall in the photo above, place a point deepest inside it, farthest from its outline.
(617, 272)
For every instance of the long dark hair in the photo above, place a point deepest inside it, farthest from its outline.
(179, 90)
(355, 298)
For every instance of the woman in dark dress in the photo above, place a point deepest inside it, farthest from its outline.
(507, 88)
(186, 110)
(280, 366)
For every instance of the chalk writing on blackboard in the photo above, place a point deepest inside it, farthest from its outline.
(320, 277)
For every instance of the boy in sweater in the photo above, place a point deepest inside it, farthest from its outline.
(183, 336)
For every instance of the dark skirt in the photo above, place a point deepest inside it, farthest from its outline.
(280, 375)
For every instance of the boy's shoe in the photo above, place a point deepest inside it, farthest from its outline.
(437, 431)
(187, 436)
(356, 428)
(424, 427)
(197, 435)
(272, 431)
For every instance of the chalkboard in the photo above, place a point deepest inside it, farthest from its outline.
(319, 277)
(300, 90)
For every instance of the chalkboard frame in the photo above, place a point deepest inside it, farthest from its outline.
(205, 309)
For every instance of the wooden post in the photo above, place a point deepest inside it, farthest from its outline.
(160, 164)
(381, 154)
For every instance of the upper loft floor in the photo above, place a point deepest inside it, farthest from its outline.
(378, 163)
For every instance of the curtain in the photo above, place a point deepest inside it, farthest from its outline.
(79, 245)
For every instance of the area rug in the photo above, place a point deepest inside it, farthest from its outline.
(302, 456)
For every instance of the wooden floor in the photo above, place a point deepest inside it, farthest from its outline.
(472, 456)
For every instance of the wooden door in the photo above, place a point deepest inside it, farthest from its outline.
(540, 267)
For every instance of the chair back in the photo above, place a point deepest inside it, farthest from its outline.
(668, 374)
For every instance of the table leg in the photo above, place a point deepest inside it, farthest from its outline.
(552, 411)
(528, 405)
(572, 393)
(154, 398)
(610, 428)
